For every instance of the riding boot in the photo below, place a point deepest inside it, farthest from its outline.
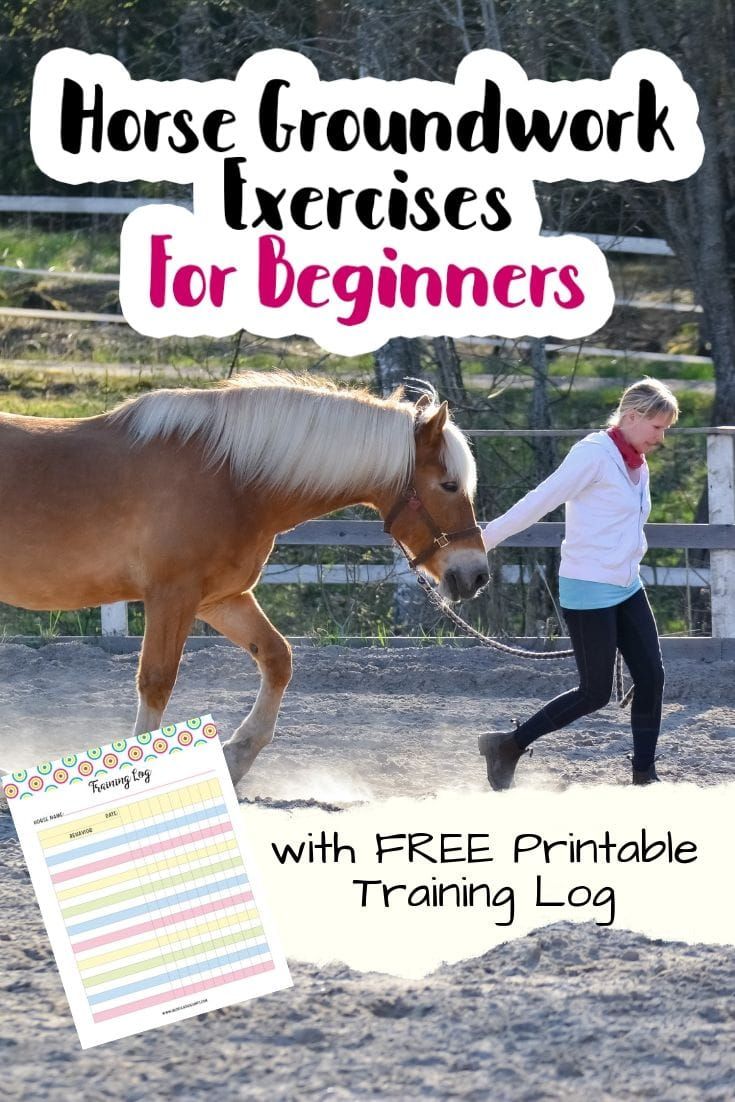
(502, 752)
(646, 776)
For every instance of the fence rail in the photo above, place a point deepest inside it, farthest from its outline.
(97, 204)
(90, 205)
(369, 533)
(718, 537)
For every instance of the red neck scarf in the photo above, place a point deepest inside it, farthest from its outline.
(633, 458)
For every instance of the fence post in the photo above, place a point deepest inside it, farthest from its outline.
(115, 618)
(721, 492)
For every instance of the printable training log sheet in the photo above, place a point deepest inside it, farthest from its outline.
(138, 858)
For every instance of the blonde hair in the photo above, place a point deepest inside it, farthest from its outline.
(649, 397)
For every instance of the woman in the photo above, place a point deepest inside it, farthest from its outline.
(604, 482)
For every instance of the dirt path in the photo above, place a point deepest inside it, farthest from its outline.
(570, 1012)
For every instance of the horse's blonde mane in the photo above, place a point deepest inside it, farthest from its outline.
(303, 433)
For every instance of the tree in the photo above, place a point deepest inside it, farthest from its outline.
(572, 39)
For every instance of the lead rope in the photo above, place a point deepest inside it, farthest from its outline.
(494, 644)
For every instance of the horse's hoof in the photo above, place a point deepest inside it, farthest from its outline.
(236, 761)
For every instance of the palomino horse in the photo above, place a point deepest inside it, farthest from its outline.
(176, 497)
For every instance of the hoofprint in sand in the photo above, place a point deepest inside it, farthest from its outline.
(565, 1012)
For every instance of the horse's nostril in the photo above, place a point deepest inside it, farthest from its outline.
(481, 580)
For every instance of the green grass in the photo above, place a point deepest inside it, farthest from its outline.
(506, 467)
(597, 367)
(23, 246)
(66, 251)
(48, 625)
(36, 394)
(601, 367)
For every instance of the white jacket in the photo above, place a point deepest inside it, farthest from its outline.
(605, 513)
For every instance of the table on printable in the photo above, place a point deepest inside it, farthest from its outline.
(138, 859)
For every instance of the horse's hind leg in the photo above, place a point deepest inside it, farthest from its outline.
(243, 621)
(169, 615)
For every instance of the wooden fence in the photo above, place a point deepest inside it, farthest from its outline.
(718, 537)
(114, 205)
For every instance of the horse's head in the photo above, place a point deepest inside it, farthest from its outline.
(433, 519)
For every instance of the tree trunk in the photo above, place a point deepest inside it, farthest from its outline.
(490, 25)
(544, 449)
(395, 361)
(696, 225)
(449, 370)
(194, 34)
(538, 604)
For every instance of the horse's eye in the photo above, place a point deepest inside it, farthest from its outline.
(450, 487)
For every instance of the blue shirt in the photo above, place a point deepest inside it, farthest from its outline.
(577, 594)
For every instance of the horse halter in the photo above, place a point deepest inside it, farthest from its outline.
(411, 500)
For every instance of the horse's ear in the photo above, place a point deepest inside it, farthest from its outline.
(423, 402)
(431, 430)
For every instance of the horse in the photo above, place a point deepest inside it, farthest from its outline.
(175, 498)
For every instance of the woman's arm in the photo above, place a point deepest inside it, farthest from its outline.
(580, 468)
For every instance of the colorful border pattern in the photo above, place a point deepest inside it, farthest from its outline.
(98, 760)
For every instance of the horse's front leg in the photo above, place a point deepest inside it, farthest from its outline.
(243, 621)
(169, 614)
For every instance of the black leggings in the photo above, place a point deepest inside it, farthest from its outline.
(596, 634)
